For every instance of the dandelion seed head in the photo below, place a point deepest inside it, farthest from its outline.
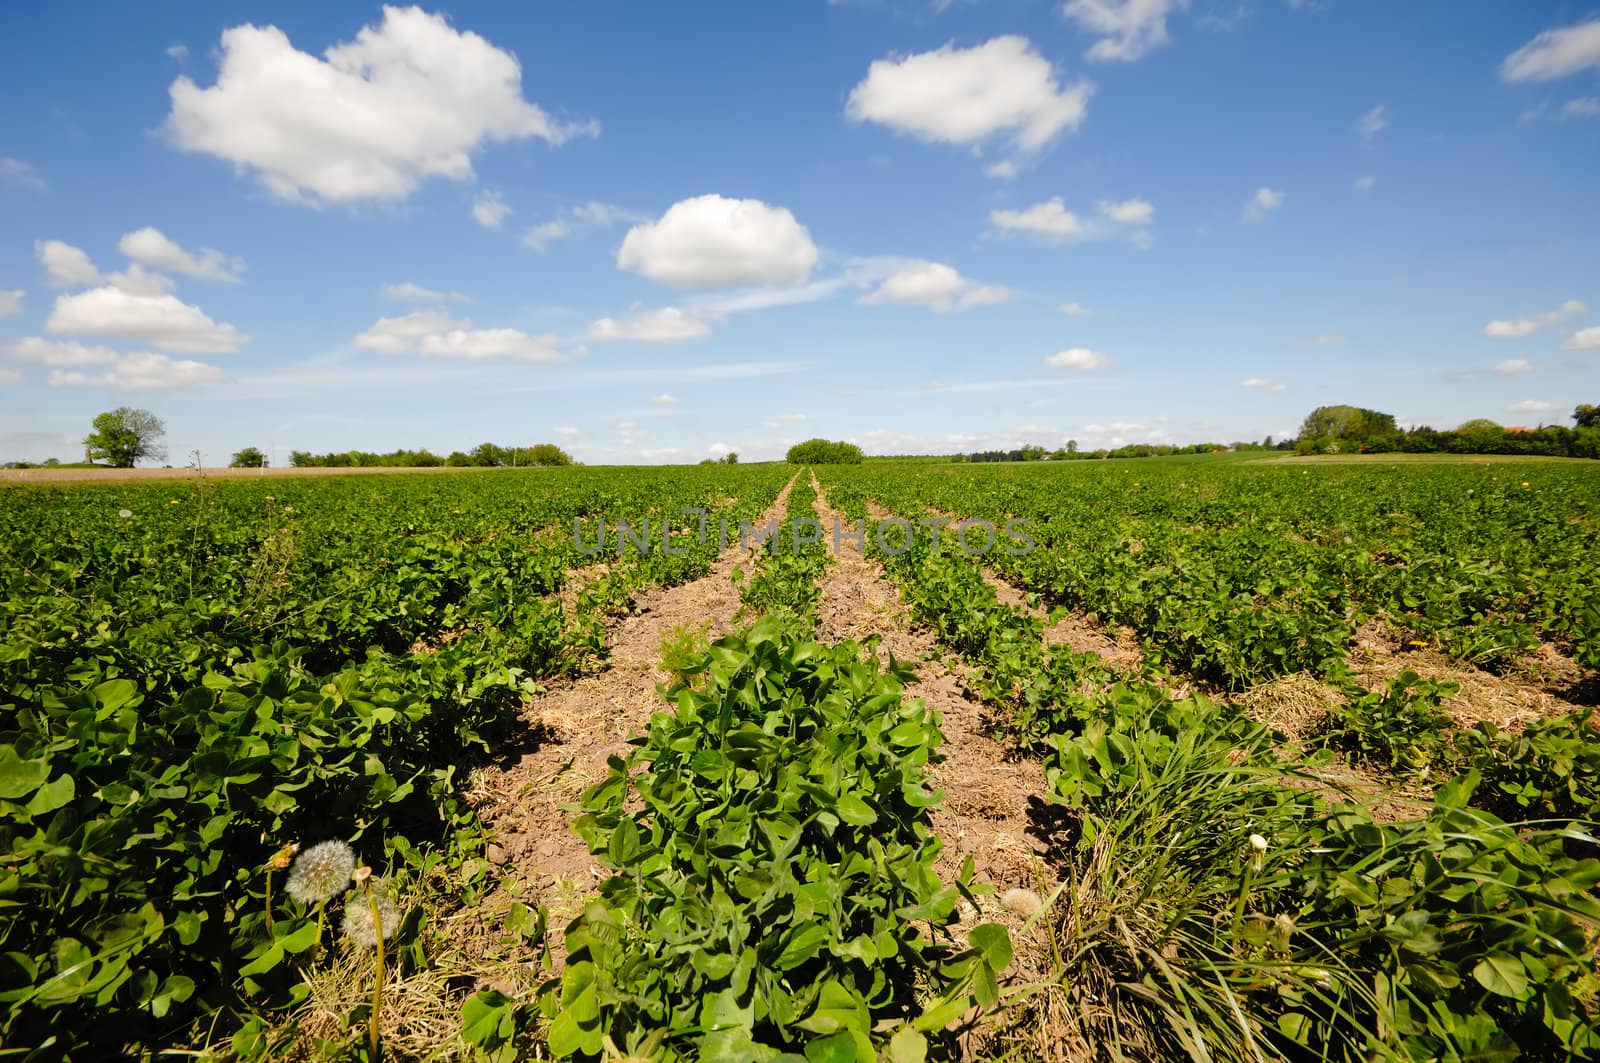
(1258, 843)
(320, 873)
(360, 926)
(1025, 903)
(124, 513)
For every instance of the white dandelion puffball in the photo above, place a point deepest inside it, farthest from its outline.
(321, 873)
(1258, 843)
(360, 926)
(124, 513)
(1025, 903)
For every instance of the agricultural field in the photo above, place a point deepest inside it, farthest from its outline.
(1190, 758)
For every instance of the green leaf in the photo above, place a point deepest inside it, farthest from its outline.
(855, 811)
(18, 777)
(1503, 975)
(52, 795)
(907, 1046)
(994, 943)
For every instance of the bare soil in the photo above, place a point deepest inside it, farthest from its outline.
(531, 798)
(1073, 629)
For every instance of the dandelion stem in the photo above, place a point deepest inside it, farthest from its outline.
(373, 1048)
(269, 901)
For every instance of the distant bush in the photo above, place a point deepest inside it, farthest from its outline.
(824, 452)
(484, 455)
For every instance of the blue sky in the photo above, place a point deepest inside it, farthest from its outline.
(657, 232)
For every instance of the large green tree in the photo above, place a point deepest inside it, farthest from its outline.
(824, 452)
(249, 458)
(124, 436)
(1346, 422)
(1586, 416)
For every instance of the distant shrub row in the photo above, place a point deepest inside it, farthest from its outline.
(824, 452)
(484, 454)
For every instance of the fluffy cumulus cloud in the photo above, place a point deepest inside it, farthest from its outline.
(409, 99)
(1264, 202)
(667, 325)
(1531, 406)
(968, 95)
(1079, 359)
(143, 371)
(1513, 366)
(1128, 29)
(64, 264)
(1128, 211)
(157, 318)
(151, 247)
(407, 292)
(585, 217)
(1518, 327)
(1075, 309)
(1050, 220)
(713, 241)
(936, 286)
(490, 210)
(663, 399)
(1583, 340)
(1555, 54)
(1262, 383)
(435, 334)
(11, 301)
(58, 353)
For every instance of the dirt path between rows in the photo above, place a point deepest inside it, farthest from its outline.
(575, 726)
(990, 793)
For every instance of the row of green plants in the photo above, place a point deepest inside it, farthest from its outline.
(185, 688)
(772, 891)
(1213, 905)
(1236, 573)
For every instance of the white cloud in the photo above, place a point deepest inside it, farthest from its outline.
(967, 95)
(1583, 340)
(1081, 359)
(718, 449)
(1004, 170)
(11, 301)
(1582, 107)
(667, 325)
(66, 265)
(566, 431)
(1075, 309)
(1365, 183)
(937, 286)
(10, 376)
(1512, 366)
(1555, 54)
(17, 172)
(784, 419)
(139, 281)
(435, 334)
(585, 217)
(664, 399)
(1516, 328)
(1050, 220)
(143, 371)
(1263, 383)
(713, 241)
(57, 353)
(1372, 123)
(1128, 211)
(1264, 202)
(153, 248)
(489, 209)
(1531, 406)
(177, 52)
(1128, 29)
(407, 100)
(160, 319)
(407, 292)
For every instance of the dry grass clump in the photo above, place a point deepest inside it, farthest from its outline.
(1299, 706)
